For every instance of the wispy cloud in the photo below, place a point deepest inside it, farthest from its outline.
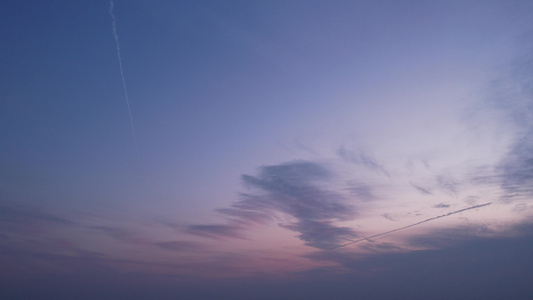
(363, 159)
(180, 246)
(362, 192)
(388, 217)
(517, 168)
(121, 235)
(292, 189)
(216, 231)
(243, 215)
(433, 184)
(517, 102)
(422, 190)
(448, 185)
(22, 215)
(21, 222)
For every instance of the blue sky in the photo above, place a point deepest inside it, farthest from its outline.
(271, 146)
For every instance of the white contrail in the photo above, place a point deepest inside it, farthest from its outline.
(111, 5)
(408, 226)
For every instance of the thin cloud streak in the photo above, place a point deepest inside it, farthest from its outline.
(421, 189)
(216, 231)
(119, 55)
(28, 216)
(412, 225)
(362, 159)
(179, 246)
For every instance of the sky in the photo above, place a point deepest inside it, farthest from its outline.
(266, 149)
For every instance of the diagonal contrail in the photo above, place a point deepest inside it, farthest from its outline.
(111, 6)
(409, 226)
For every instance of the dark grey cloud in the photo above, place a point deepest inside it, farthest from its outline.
(321, 234)
(444, 237)
(465, 268)
(294, 189)
(460, 264)
(442, 205)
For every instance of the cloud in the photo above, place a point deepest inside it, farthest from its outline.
(422, 190)
(412, 225)
(382, 247)
(388, 217)
(22, 215)
(292, 189)
(448, 185)
(444, 237)
(246, 216)
(517, 166)
(362, 192)
(216, 231)
(120, 234)
(444, 183)
(180, 246)
(363, 159)
(465, 265)
(477, 268)
(321, 234)
(23, 221)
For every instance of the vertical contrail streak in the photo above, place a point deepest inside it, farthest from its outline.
(111, 6)
(409, 226)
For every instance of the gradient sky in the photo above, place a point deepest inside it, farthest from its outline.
(276, 149)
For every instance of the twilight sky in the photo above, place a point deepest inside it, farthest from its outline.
(266, 149)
